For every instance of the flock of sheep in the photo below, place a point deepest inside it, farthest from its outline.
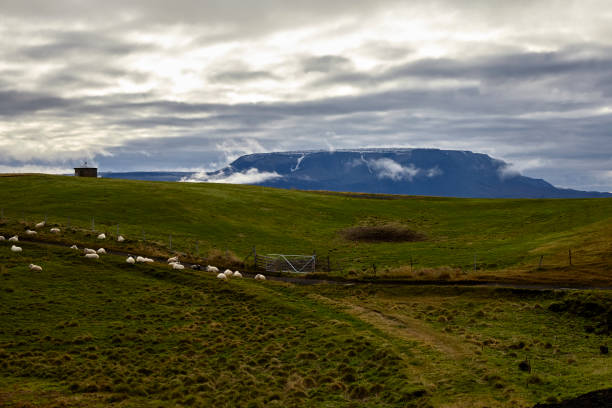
(95, 254)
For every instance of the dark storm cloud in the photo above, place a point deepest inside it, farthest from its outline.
(571, 63)
(80, 44)
(17, 103)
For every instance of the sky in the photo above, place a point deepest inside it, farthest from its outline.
(192, 85)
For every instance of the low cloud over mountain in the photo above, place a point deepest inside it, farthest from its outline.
(430, 172)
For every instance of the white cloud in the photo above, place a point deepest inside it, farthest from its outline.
(434, 172)
(388, 168)
(250, 176)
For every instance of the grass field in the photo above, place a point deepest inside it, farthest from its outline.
(85, 333)
(505, 237)
(96, 333)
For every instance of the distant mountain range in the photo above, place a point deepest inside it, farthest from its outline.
(429, 172)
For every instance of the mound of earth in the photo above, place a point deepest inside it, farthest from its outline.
(381, 233)
(595, 399)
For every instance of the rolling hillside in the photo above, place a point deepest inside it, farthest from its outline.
(97, 333)
(500, 235)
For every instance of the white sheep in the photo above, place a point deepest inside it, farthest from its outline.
(148, 260)
(16, 248)
(120, 238)
(74, 247)
(92, 256)
(35, 268)
(174, 259)
(2, 238)
(89, 251)
(40, 224)
(55, 230)
(228, 273)
(130, 260)
(259, 276)
(30, 232)
(237, 274)
(102, 236)
(210, 268)
(14, 238)
(222, 276)
(101, 251)
(143, 259)
(177, 266)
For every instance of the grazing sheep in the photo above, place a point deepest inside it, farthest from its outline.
(16, 248)
(212, 269)
(14, 238)
(2, 238)
(177, 266)
(40, 224)
(101, 251)
(55, 230)
(196, 267)
(89, 251)
(74, 247)
(143, 259)
(92, 256)
(237, 274)
(30, 232)
(173, 259)
(102, 236)
(259, 276)
(120, 238)
(148, 260)
(35, 268)
(228, 273)
(130, 260)
(222, 276)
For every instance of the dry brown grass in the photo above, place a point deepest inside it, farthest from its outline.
(381, 233)
(225, 258)
(440, 273)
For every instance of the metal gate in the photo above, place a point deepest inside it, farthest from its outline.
(286, 263)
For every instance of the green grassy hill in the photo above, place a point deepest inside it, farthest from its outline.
(500, 235)
(95, 333)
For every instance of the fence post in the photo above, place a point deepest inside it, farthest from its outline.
(93, 224)
(474, 262)
(45, 218)
(540, 263)
(328, 267)
(143, 236)
(2, 213)
(569, 252)
(170, 240)
(197, 248)
(254, 257)
(117, 229)
(68, 222)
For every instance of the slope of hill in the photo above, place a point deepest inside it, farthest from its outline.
(429, 172)
(99, 333)
(96, 333)
(461, 237)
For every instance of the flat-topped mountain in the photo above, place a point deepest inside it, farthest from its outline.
(430, 172)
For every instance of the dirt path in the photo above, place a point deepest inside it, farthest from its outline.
(403, 327)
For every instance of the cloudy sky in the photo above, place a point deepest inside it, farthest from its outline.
(191, 85)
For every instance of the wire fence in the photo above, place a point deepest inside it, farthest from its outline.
(202, 250)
